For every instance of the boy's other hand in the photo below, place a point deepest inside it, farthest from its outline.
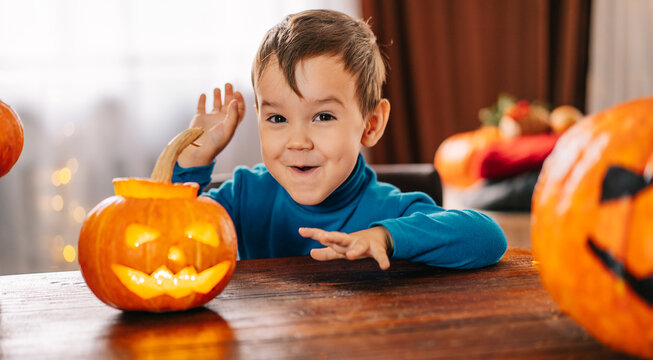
(357, 245)
(219, 126)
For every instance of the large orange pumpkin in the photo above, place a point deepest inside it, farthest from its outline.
(11, 138)
(156, 246)
(454, 156)
(592, 225)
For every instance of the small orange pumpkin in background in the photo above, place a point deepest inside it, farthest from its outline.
(454, 156)
(11, 138)
(563, 117)
(156, 246)
(592, 225)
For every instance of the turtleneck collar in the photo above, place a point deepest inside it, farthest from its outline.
(346, 192)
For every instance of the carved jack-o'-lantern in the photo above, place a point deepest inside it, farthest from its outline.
(11, 138)
(156, 246)
(592, 225)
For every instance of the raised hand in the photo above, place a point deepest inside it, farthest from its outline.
(219, 126)
(366, 243)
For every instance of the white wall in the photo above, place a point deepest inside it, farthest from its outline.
(621, 52)
(101, 87)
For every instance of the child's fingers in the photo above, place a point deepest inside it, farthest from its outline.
(201, 104)
(309, 232)
(337, 248)
(325, 254)
(228, 93)
(341, 239)
(314, 233)
(241, 105)
(326, 237)
(336, 237)
(231, 119)
(358, 249)
(381, 257)
(217, 99)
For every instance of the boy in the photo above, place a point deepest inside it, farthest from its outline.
(317, 79)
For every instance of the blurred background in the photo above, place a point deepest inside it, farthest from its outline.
(102, 85)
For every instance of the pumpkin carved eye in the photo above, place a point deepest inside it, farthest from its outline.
(619, 182)
(203, 232)
(138, 234)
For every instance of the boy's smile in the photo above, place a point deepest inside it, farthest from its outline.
(309, 144)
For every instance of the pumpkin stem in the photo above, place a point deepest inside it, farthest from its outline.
(166, 162)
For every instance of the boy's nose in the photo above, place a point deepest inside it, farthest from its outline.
(299, 139)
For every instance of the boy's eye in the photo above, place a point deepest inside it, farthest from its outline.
(276, 119)
(324, 117)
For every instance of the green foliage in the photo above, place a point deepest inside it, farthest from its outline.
(491, 115)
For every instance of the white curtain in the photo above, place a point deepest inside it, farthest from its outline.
(101, 86)
(621, 52)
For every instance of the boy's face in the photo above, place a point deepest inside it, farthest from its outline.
(309, 144)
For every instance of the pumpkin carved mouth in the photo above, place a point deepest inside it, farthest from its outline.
(642, 287)
(623, 182)
(163, 281)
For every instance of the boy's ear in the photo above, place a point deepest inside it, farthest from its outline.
(375, 123)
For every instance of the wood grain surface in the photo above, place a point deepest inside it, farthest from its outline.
(300, 308)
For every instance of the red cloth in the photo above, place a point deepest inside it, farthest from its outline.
(514, 157)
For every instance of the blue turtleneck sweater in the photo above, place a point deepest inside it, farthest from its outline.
(267, 219)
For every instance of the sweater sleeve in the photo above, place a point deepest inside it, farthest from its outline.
(198, 174)
(463, 239)
(224, 195)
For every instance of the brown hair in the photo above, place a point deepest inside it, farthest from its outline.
(325, 32)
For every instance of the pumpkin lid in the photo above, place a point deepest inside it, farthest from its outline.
(148, 189)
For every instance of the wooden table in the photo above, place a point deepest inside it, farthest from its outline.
(301, 308)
